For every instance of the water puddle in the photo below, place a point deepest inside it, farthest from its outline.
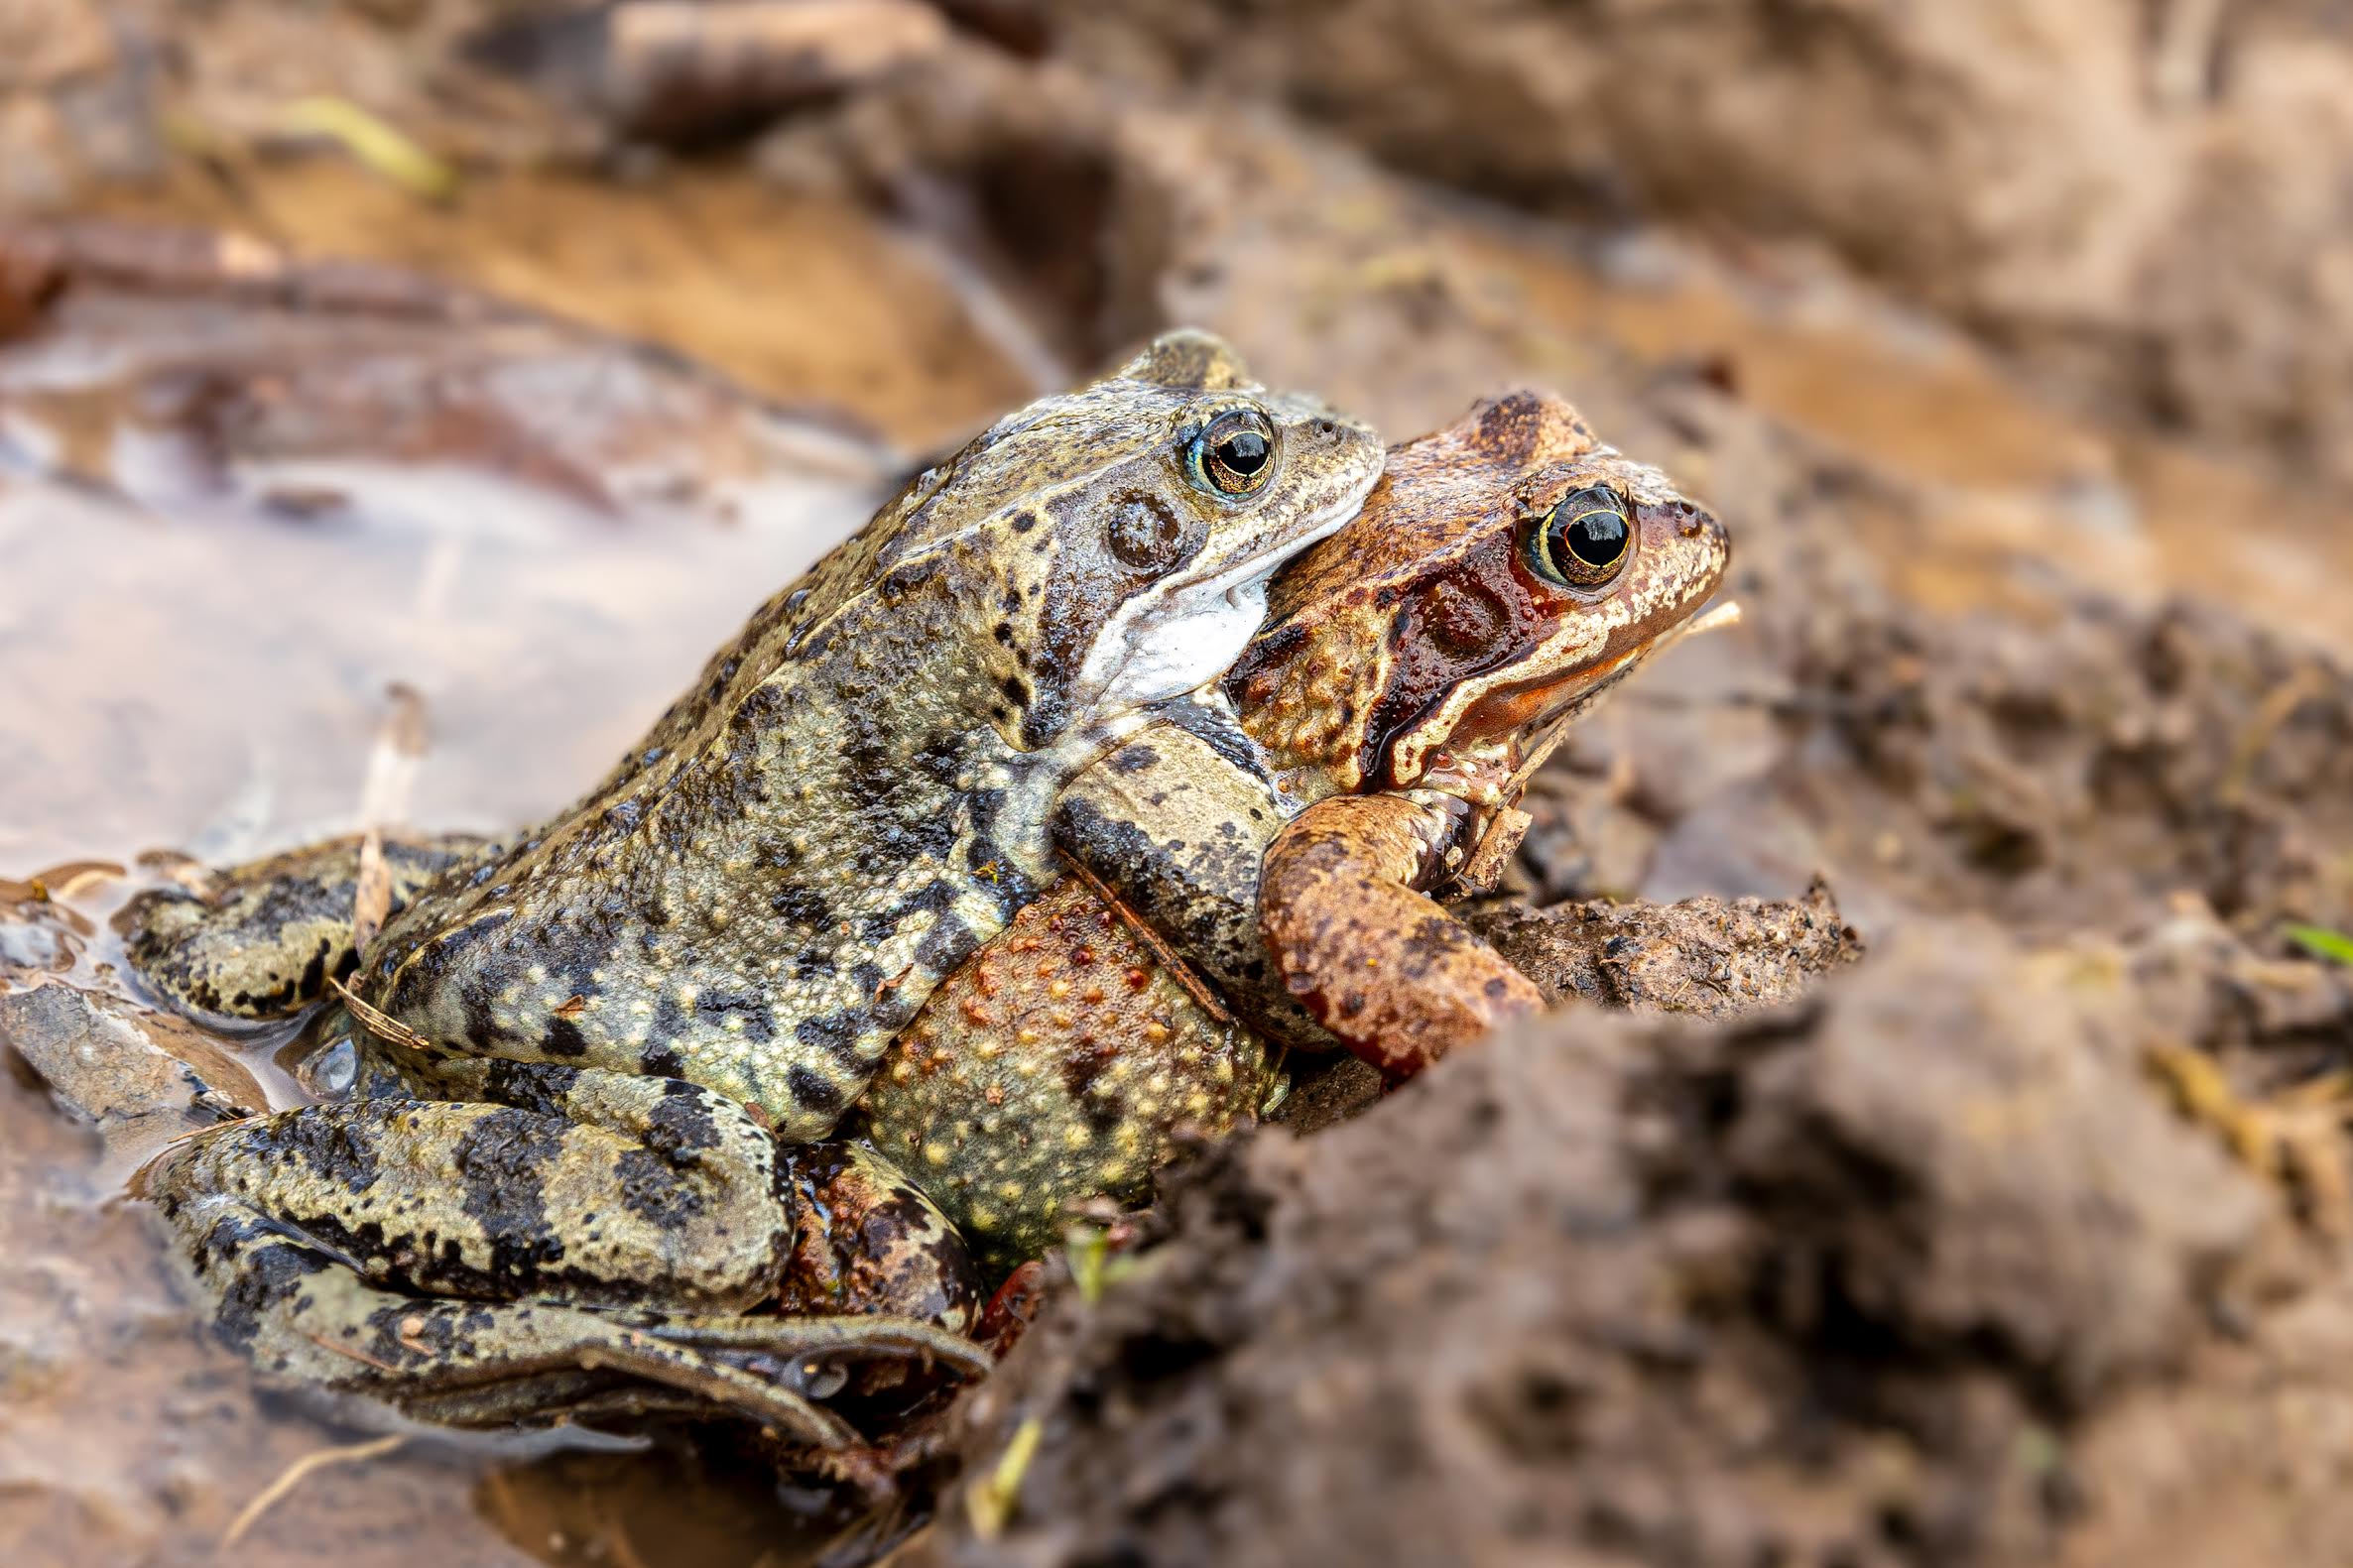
(227, 533)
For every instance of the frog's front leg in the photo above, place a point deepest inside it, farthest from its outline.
(1377, 961)
(592, 1238)
(1173, 825)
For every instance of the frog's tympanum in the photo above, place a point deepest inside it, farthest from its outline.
(579, 1206)
(1505, 573)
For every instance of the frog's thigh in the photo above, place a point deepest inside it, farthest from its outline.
(870, 1241)
(266, 936)
(306, 1318)
(582, 1186)
(323, 1235)
(1379, 964)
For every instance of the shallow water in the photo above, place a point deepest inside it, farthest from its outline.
(201, 630)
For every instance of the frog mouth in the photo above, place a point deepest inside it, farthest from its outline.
(1512, 731)
(1180, 634)
(1543, 735)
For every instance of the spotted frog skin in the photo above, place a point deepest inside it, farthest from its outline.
(574, 1195)
(854, 796)
(1416, 667)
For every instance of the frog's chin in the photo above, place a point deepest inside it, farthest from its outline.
(1192, 644)
(1178, 636)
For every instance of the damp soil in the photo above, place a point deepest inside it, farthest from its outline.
(1937, 1158)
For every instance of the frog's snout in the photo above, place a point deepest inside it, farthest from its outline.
(1685, 550)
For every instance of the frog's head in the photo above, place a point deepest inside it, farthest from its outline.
(1109, 547)
(1507, 571)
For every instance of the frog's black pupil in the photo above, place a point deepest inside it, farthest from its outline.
(1599, 538)
(1245, 452)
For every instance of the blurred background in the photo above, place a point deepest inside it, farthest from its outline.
(486, 361)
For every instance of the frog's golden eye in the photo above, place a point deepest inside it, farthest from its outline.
(1583, 540)
(1233, 455)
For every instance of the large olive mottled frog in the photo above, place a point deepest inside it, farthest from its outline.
(607, 1017)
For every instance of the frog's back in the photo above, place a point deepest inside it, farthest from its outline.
(852, 796)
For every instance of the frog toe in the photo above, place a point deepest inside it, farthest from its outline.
(822, 1350)
(222, 958)
(262, 941)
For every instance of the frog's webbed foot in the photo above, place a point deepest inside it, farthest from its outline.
(261, 941)
(1378, 963)
(306, 1317)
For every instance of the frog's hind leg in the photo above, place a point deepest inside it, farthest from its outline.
(587, 1230)
(305, 1316)
(261, 941)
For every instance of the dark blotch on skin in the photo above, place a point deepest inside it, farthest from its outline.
(654, 1188)
(681, 1123)
(530, 1086)
(328, 1147)
(903, 580)
(1081, 1067)
(836, 1034)
(945, 945)
(501, 1160)
(759, 1020)
(314, 978)
(800, 906)
(262, 1268)
(812, 1092)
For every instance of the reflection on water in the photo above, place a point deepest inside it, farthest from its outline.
(256, 523)
(210, 582)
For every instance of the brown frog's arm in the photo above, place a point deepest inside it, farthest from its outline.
(1376, 960)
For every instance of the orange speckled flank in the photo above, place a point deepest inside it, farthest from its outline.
(1061, 1063)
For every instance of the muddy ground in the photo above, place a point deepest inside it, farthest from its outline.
(1988, 1204)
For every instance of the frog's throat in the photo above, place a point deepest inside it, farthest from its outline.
(1517, 757)
(1180, 634)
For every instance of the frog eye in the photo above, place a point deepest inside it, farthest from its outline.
(1233, 455)
(1583, 540)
